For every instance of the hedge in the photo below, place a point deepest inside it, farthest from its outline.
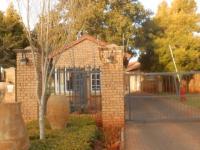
(80, 134)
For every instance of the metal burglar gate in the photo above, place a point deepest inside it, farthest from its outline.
(81, 86)
(165, 96)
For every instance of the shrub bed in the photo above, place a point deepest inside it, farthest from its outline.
(80, 134)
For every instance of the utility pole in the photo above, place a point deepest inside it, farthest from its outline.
(175, 66)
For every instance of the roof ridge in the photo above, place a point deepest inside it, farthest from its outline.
(74, 43)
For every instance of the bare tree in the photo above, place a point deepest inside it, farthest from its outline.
(50, 33)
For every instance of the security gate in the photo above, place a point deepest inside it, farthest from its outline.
(81, 86)
(165, 96)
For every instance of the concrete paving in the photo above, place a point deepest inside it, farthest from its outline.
(162, 136)
(149, 109)
(161, 124)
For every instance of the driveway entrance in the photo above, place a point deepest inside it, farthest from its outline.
(162, 111)
(146, 108)
(159, 97)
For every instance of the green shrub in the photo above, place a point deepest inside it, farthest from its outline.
(79, 134)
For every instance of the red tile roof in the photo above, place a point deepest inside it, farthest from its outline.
(74, 43)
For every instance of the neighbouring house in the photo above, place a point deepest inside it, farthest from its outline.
(7, 84)
(77, 72)
(194, 84)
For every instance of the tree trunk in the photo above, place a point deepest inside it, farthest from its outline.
(42, 117)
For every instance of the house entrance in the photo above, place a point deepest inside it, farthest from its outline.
(164, 96)
(81, 86)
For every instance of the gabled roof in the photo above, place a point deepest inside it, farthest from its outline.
(74, 43)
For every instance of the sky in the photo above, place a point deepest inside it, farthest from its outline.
(4, 4)
(152, 4)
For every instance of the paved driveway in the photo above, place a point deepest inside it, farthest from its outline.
(154, 125)
(162, 136)
(151, 109)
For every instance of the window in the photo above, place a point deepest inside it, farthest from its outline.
(95, 82)
(63, 81)
(69, 81)
(59, 86)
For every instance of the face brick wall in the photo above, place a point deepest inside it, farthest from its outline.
(83, 54)
(26, 85)
(112, 81)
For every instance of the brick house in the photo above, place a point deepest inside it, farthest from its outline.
(77, 71)
(79, 63)
(80, 53)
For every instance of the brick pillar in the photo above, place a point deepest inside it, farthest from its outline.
(112, 84)
(26, 84)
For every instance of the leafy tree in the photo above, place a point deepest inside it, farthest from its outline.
(11, 36)
(145, 42)
(1, 34)
(111, 21)
(177, 30)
